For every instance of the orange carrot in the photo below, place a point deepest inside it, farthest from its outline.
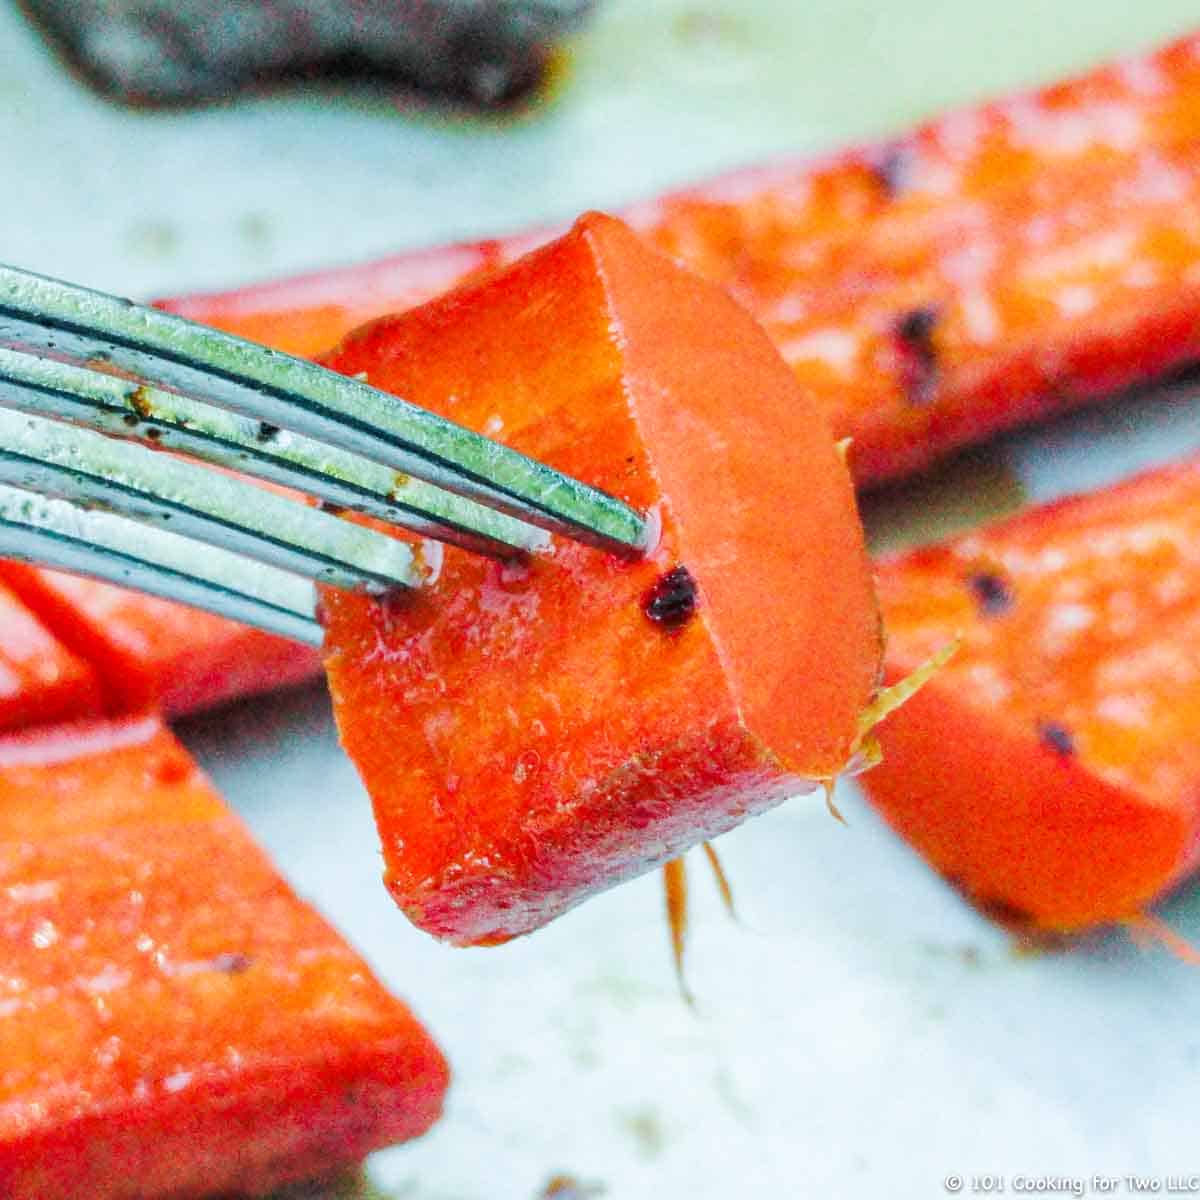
(153, 653)
(1052, 770)
(175, 1021)
(531, 734)
(994, 266)
(40, 679)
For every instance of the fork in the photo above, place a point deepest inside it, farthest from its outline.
(92, 387)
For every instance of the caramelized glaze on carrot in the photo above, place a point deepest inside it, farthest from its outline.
(173, 1020)
(533, 733)
(1052, 769)
(152, 653)
(41, 680)
(991, 267)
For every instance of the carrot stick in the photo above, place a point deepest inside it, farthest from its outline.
(41, 680)
(152, 653)
(1052, 769)
(531, 734)
(175, 1021)
(988, 269)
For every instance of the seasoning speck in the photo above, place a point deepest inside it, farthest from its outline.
(918, 355)
(892, 168)
(231, 964)
(671, 602)
(1057, 737)
(567, 1187)
(991, 591)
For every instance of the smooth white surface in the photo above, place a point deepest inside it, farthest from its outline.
(864, 1033)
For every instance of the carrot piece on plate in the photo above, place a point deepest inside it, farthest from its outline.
(992, 267)
(1052, 770)
(173, 1020)
(532, 733)
(41, 681)
(154, 653)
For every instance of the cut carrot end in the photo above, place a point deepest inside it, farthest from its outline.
(1050, 771)
(256, 1049)
(646, 706)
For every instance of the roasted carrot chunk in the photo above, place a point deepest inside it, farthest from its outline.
(992, 267)
(1052, 770)
(173, 1020)
(533, 732)
(40, 679)
(153, 653)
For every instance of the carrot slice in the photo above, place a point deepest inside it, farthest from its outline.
(994, 266)
(174, 1020)
(1052, 769)
(533, 733)
(40, 679)
(153, 653)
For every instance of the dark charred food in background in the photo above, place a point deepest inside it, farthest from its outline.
(167, 52)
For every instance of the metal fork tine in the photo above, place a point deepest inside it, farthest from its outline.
(79, 464)
(293, 394)
(57, 533)
(118, 406)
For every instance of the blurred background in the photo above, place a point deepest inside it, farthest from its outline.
(863, 1033)
(647, 95)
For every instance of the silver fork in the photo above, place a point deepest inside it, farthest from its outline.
(92, 385)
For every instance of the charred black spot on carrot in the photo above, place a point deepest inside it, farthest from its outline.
(231, 964)
(916, 326)
(267, 432)
(992, 592)
(918, 355)
(892, 168)
(671, 602)
(1057, 737)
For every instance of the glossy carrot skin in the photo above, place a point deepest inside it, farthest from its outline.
(992, 267)
(1052, 770)
(151, 653)
(533, 733)
(41, 680)
(175, 1021)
